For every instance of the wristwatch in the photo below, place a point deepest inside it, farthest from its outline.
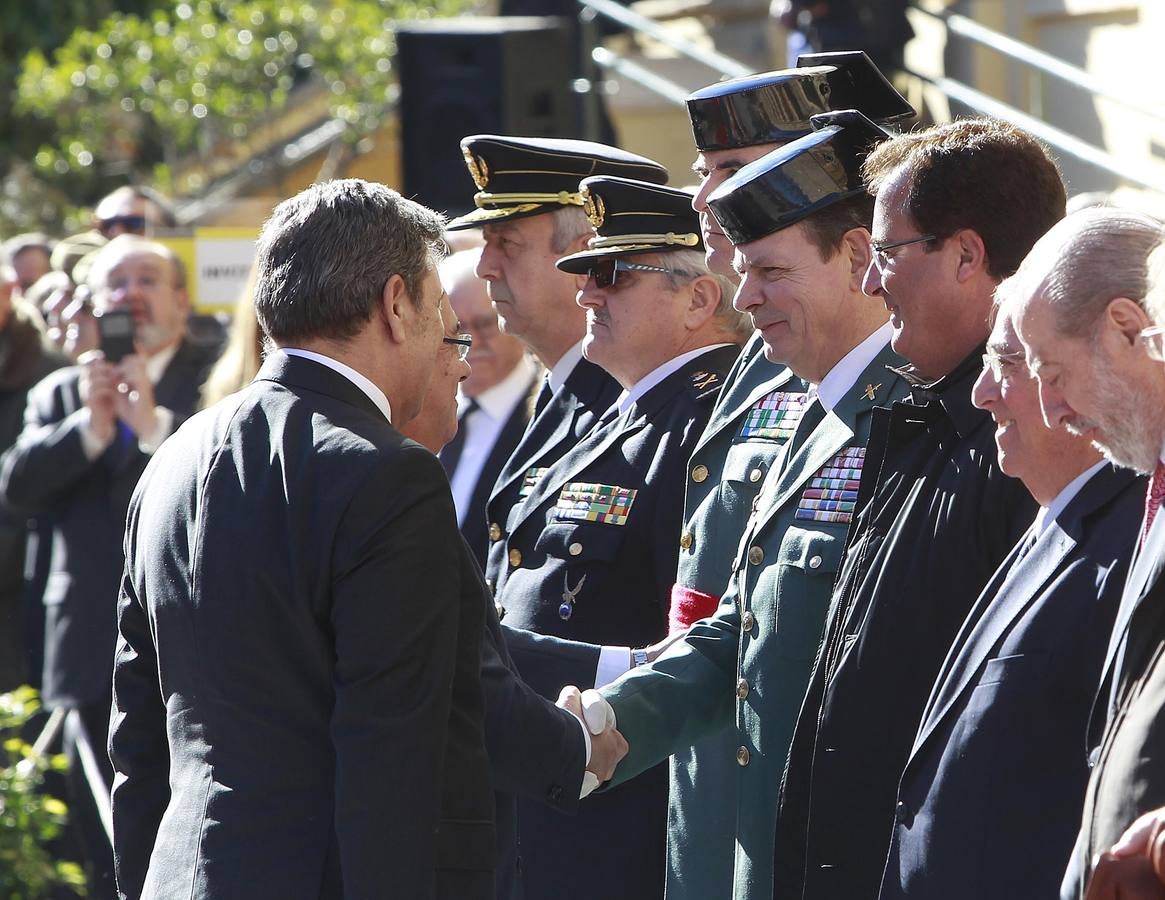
(639, 657)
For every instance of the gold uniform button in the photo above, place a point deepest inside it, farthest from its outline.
(815, 562)
(742, 756)
(495, 531)
(755, 555)
(741, 688)
(686, 540)
(699, 474)
(515, 557)
(747, 621)
(755, 475)
(574, 549)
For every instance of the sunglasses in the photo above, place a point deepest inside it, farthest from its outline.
(606, 271)
(462, 342)
(134, 224)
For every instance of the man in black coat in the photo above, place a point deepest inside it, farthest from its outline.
(530, 212)
(297, 706)
(1004, 725)
(89, 431)
(1090, 326)
(956, 209)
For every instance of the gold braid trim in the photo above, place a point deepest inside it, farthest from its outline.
(650, 240)
(565, 198)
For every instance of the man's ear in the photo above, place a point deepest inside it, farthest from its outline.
(395, 308)
(705, 298)
(972, 253)
(1123, 320)
(856, 243)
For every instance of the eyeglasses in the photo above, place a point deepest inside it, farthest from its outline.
(1152, 339)
(997, 362)
(605, 271)
(133, 224)
(882, 258)
(462, 341)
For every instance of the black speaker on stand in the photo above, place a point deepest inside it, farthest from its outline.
(477, 76)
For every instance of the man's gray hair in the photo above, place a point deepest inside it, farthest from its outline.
(128, 245)
(1085, 262)
(570, 224)
(325, 255)
(684, 265)
(1155, 297)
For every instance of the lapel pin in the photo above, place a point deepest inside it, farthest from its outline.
(871, 391)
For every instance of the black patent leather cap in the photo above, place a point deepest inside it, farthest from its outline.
(526, 176)
(632, 217)
(796, 180)
(775, 107)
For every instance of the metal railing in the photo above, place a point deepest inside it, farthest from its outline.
(1139, 174)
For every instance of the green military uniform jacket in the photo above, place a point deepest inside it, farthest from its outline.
(724, 476)
(748, 666)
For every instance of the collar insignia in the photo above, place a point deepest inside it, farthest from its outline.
(871, 391)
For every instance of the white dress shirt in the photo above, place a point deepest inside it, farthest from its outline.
(375, 394)
(483, 426)
(842, 376)
(1048, 514)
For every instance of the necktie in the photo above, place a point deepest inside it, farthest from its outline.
(451, 453)
(544, 396)
(1153, 498)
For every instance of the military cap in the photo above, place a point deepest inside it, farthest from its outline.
(775, 107)
(525, 176)
(796, 180)
(631, 217)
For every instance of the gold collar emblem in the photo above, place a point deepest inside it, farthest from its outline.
(593, 207)
(871, 391)
(478, 170)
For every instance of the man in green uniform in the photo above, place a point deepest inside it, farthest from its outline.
(802, 250)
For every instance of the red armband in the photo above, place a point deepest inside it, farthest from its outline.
(689, 606)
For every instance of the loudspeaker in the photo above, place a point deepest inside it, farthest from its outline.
(477, 76)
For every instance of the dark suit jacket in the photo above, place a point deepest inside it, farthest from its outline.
(990, 799)
(47, 473)
(619, 568)
(1127, 729)
(297, 705)
(585, 395)
(475, 527)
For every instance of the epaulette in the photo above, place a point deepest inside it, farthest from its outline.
(705, 384)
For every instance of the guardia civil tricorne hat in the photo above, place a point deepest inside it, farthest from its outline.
(776, 107)
(796, 180)
(634, 217)
(526, 176)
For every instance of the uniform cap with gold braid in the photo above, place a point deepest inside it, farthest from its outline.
(796, 180)
(632, 217)
(525, 176)
(775, 107)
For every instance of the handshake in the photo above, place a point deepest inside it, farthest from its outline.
(607, 744)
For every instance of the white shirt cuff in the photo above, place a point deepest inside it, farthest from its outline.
(613, 662)
(148, 443)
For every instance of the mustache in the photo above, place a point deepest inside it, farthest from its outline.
(596, 316)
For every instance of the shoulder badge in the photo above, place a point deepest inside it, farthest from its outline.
(594, 208)
(478, 170)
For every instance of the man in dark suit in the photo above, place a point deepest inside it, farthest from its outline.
(297, 706)
(530, 212)
(536, 749)
(591, 550)
(494, 404)
(956, 209)
(89, 431)
(1090, 330)
(1004, 725)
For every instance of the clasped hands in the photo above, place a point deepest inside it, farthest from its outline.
(1134, 869)
(608, 746)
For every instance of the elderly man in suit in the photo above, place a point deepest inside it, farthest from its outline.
(591, 550)
(1004, 726)
(89, 431)
(494, 400)
(530, 212)
(743, 670)
(1093, 339)
(956, 209)
(296, 689)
